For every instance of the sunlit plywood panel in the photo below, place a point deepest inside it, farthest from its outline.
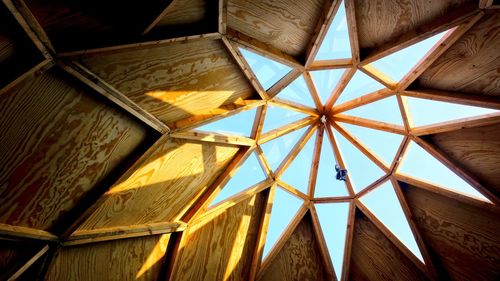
(175, 81)
(126, 259)
(221, 248)
(59, 141)
(163, 186)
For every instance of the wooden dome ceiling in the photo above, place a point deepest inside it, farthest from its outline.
(102, 178)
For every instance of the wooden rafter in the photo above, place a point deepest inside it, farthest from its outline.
(37, 70)
(330, 64)
(348, 241)
(19, 271)
(314, 93)
(294, 106)
(391, 128)
(463, 123)
(323, 248)
(263, 162)
(292, 190)
(404, 109)
(337, 91)
(258, 122)
(454, 97)
(297, 125)
(363, 100)
(122, 232)
(340, 158)
(332, 199)
(295, 151)
(315, 163)
(378, 76)
(168, 6)
(399, 154)
(283, 82)
(102, 87)
(26, 232)
(353, 30)
(214, 137)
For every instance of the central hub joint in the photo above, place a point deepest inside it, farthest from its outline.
(323, 119)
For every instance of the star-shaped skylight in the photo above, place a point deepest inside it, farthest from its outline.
(359, 116)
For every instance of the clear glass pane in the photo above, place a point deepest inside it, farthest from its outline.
(383, 144)
(298, 92)
(384, 204)
(336, 43)
(325, 81)
(333, 220)
(426, 112)
(326, 183)
(384, 110)
(419, 164)
(238, 124)
(398, 64)
(277, 149)
(359, 85)
(285, 207)
(277, 117)
(297, 174)
(361, 170)
(267, 71)
(249, 174)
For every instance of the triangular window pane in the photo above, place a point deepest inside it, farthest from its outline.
(359, 85)
(277, 117)
(426, 112)
(326, 81)
(385, 110)
(297, 174)
(361, 170)
(277, 149)
(383, 144)
(333, 220)
(419, 164)
(267, 71)
(285, 207)
(336, 43)
(298, 92)
(326, 183)
(249, 174)
(384, 204)
(398, 64)
(239, 124)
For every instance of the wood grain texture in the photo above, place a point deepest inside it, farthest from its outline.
(475, 149)
(463, 238)
(163, 186)
(375, 257)
(382, 21)
(299, 259)
(58, 142)
(285, 25)
(175, 81)
(14, 253)
(222, 248)
(126, 259)
(472, 64)
(17, 52)
(190, 15)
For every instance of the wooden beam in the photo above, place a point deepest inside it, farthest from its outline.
(311, 187)
(284, 82)
(399, 154)
(314, 93)
(353, 30)
(238, 57)
(122, 232)
(214, 137)
(28, 264)
(30, 25)
(254, 45)
(372, 186)
(465, 175)
(263, 163)
(323, 248)
(337, 91)
(297, 125)
(391, 128)
(35, 71)
(348, 241)
(292, 190)
(168, 6)
(102, 87)
(405, 112)
(328, 12)
(214, 115)
(435, 52)
(26, 232)
(363, 100)
(452, 18)
(431, 270)
(341, 199)
(454, 97)
(330, 64)
(463, 123)
(294, 151)
(283, 238)
(258, 122)
(139, 46)
(393, 238)
(339, 158)
(294, 106)
(222, 25)
(378, 76)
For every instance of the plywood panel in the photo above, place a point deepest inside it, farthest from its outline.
(163, 185)
(382, 21)
(125, 259)
(299, 259)
(472, 64)
(475, 149)
(285, 25)
(222, 248)
(58, 142)
(17, 52)
(463, 238)
(176, 81)
(374, 256)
